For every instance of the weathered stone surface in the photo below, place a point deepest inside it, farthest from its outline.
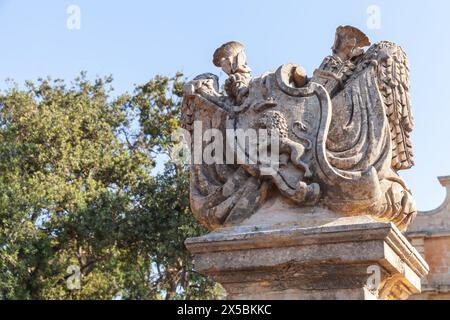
(341, 136)
(330, 261)
(297, 177)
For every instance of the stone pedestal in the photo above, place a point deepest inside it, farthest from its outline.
(347, 259)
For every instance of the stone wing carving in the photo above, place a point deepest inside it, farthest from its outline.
(393, 82)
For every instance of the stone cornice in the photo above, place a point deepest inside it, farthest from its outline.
(246, 238)
(445, 182)
(433, 223)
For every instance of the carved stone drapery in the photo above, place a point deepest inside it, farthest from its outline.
(310, 220)
(344, 134)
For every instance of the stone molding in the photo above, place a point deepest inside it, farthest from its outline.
(323, 262)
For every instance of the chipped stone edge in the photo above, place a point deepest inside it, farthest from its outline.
(245, 238)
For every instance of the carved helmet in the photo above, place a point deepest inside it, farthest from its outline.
(348, 32)
(226, 50)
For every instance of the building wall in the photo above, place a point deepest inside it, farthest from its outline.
(437, 252)
(430, 234)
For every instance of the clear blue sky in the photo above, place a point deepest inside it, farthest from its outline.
(135, 40)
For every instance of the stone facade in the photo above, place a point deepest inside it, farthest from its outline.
(430, 234)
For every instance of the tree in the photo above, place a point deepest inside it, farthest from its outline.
(76, 189)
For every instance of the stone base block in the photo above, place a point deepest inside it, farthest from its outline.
(348, 259)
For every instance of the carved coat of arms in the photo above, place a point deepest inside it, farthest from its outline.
(341, 136)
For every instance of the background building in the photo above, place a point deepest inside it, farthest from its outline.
(430, 234)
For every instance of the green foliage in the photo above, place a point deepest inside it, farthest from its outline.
(157, 106)
(76, 189)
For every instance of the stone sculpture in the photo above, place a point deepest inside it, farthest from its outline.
(297, 176)
(344, 134)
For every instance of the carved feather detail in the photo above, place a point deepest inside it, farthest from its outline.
(393, 82)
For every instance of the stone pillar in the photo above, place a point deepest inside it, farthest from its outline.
(349, 259)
